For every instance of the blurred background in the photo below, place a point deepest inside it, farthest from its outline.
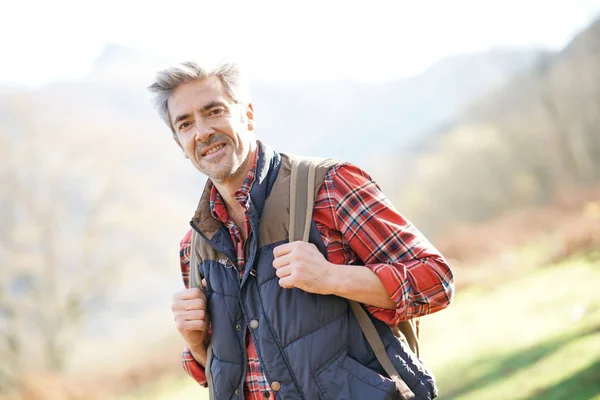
(480, 120)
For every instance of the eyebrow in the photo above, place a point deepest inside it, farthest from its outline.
(207, 107)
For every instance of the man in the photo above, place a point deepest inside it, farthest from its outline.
(276, 314)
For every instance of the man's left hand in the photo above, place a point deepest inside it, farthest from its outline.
(301, 265)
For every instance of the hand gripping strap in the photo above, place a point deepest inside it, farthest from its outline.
(302, 182)
(196, 282)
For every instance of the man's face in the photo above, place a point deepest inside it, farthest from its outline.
(215, 133)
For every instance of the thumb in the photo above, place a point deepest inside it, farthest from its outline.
(204, 282)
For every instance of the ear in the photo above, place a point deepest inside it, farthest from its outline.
(250, 116)
(179, 144)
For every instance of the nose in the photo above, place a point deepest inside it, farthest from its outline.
(203, 130)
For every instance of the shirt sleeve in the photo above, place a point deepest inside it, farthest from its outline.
(190, 365)
(368, 230)
(193, 369)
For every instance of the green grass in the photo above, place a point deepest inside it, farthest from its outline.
(533, 337)
(537, 337)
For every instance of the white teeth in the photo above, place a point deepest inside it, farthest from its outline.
(214, 149)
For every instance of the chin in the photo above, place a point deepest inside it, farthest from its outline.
(219, 175)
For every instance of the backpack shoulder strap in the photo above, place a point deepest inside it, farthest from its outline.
(302, 198)
(302, 180)
(194, 272)
(195, 281)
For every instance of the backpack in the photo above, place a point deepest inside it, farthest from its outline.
(302, 199)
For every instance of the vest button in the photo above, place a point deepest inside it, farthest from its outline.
(275, 386)
(253, 324)
(237, 392)
(238, 327)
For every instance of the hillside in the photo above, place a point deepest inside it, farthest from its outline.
(322, 118)
(525, 143)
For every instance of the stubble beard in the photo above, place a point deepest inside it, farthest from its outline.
(220, 169)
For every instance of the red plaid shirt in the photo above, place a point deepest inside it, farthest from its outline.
(358, 225)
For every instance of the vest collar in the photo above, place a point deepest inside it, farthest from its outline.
(268, 160)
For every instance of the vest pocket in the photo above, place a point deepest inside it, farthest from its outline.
(345, 378)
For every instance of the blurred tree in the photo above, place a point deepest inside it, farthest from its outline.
(67, 217)
(529, 142)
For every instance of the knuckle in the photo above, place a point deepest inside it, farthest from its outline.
(180, 325)
(193, 304)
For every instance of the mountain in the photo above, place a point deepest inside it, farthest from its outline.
(339, 118)
(399, 112)
(525, 143)
(356, 120)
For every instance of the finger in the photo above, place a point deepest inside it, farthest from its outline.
(204, 282)
(287, 282)
(187, 294)
(186, 305)
(194, 304)
(191, 315)
(284, 249)
(282, 261)
(194, 315)
(284, 271)
(189, 326)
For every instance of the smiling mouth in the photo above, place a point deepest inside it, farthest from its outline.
(213, 150)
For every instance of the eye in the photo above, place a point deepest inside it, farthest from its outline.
(215, 112)
(184, 126)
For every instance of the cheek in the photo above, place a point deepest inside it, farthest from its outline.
(189, 150)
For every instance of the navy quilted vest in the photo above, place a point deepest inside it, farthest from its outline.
(310, 346)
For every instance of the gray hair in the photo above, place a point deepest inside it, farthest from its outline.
(171, 78)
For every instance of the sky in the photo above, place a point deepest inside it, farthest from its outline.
(370, 40)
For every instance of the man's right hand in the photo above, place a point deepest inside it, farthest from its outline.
(192, 320)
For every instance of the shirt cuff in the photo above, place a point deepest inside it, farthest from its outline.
(193, 368)
(388, 275)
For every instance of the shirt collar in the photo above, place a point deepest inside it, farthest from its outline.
(217, 206)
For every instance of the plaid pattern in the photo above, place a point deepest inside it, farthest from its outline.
(219, 212)
(361, 226)
(358, 225)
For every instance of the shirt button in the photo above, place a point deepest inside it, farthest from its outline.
(275, 386)
(253, 324)
(266, 394)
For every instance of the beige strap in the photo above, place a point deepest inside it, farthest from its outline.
(379, 349)
(408, 332)
(302, 182)
(194, 272)
(293, 184)
(310, 193)
(196, 281)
